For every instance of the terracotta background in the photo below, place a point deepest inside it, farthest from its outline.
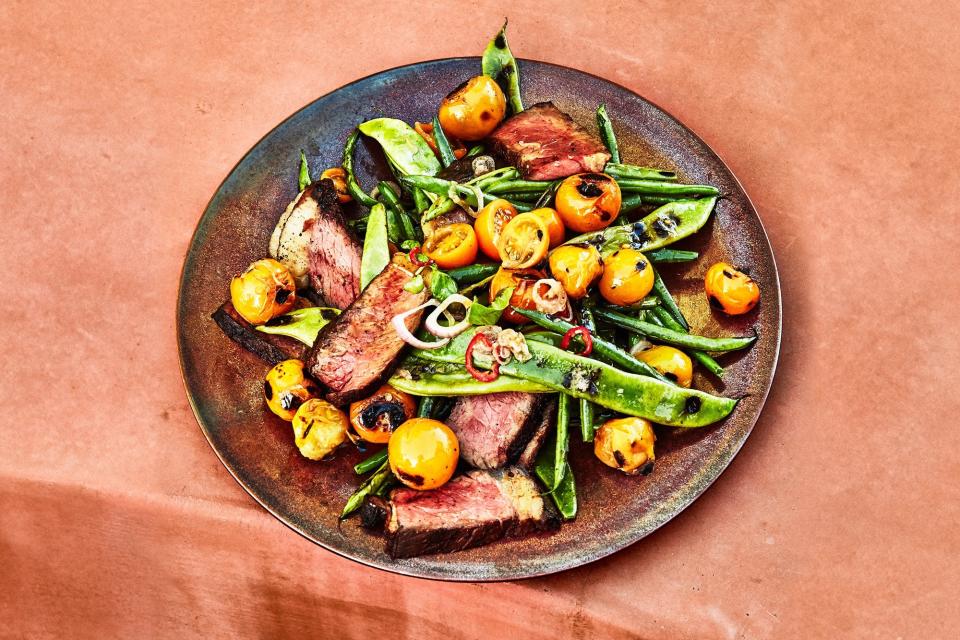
(838, 519)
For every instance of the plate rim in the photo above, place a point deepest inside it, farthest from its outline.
(563, 565)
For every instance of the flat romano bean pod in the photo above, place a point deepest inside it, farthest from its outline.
(676, 338)
(617, 390)
(665, 225)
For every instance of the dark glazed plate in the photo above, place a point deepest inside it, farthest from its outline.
(224, 383)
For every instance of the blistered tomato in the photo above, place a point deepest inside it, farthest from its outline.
(627, 277)
(524, 242)
(729, 290)
(576, 267)
(423, 453)
(588, 201)
(473, 110)
(318, 428)
(671, 362)
(375, 418)
(266, 289)
(338, 177)
(626, 444)
(286, 388)
(551, 219)
(522, 280)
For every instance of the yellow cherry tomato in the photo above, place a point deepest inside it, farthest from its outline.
(588, 201)
(553, 223)
(524, 242)
(473, 110)
(375, 418)
(266, 289)
(453, 245)
(338, 177)
(729, 290)
(318, 428)
(576, 267)
(490, 222)
(423, 453)
(286, 388)
(522, 281)
(626, 444)
(671, 362)
(627, 277)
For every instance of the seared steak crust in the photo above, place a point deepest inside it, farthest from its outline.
(494, 429)
(544, 143)
(334, 254)
(269, 348)
(546, 421)
(474, 509)
(356, 352)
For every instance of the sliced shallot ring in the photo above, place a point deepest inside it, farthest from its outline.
(399, 323)
(434, 327)
(558, 300)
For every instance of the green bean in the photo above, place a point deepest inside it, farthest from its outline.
(705, 359)
(676, 338)
(353, 186)
(661, 291)
(371, 485)
(580, 377)
(472, 273)
(661, 200)
(303, 179)
(420, 200)
(425, 410)
(547, 195)
(394, 210)
(480, 284)
(370, 463)
(604, 350)
(634, 172)
(565, 495)
(630, 202)
(606, 132)
(525, 198)
(475, 150)
(519, 186)
(663, 188)
(667, 256)
(586, 420)
(443, 145)
(563, 440)
(663, 226)
(485, 180)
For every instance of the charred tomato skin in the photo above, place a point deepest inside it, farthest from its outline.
(627, 277)
(730, 290)
(338, 177)
(318, 428)
(423, 453)
(554, 224)
(473, 110)
(588, 201)
(576, 267)
(286, 388)
(671, 362)
(375, 418)
(264, 290)
(626, 444)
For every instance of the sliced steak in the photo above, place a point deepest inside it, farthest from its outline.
(356, 352)
(549, 415)
(494, 429)
(334, 254)
(471, 510)
(544, 143)
(268, 347)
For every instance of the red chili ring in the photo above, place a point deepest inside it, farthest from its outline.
(419, 258)
(584, 334)
(482, 376)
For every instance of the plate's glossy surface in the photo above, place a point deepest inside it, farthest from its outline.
(224, 383)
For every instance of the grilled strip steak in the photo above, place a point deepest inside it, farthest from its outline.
(528, 456)
(268, 347)
(471, 510)
(333, 252)
(546, 144)
(494, 429)
(356, 352)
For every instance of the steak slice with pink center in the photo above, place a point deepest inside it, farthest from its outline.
(494, 429)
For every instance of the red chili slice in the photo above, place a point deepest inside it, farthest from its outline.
(419, 258)
(584, 334)
(482, 376)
